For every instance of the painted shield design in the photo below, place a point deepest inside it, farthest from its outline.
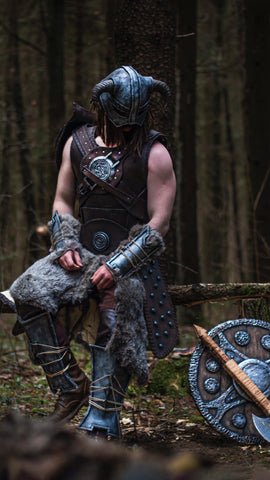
(218, 397)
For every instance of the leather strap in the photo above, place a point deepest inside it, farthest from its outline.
(109, 188)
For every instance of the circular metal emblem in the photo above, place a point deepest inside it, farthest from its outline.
(102, 167)
(219, 398)
(101, 241)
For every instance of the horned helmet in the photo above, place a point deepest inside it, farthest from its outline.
(125, 95)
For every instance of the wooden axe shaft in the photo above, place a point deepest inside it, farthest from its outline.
(233, 369)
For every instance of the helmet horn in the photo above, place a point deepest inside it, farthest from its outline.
(101, 87)
(161, 87)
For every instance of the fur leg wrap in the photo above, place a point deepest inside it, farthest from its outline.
(47, 286)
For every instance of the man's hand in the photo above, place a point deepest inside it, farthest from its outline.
(71, 260)
(102, 278)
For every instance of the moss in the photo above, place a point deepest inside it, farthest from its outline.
(169, 377)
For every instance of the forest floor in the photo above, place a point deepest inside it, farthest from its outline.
(161, 418)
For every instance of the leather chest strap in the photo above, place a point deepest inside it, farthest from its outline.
(109, 188)
(125, 200)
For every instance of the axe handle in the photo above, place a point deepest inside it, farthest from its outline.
(233, 369)
(248, 386)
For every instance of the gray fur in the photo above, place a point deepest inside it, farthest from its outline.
(48, 286)
(131, 327)
(68, 234)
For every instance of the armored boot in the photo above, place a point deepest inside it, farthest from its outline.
(68, 404)
(63, 374)
(107, 392)
(108, 386)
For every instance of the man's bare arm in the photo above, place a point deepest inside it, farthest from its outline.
(64, 203)
(161, 187)
(65, 190)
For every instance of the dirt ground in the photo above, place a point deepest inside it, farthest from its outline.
(185, 431)
(167, 425)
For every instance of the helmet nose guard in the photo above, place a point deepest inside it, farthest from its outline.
(124, 95)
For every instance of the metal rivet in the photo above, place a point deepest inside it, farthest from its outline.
(156, 323)
(152, 295)
(153, 310)
(152, 262)
(164, 294)
(170, 323)
(162, 317)
(155, 285)
(145, 277)
(157, 335)
(150, 270)
(161, 302)
(166, 333)
(169, 313)
(160, 345)
(158, 277)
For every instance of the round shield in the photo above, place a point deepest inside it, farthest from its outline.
(219, 398)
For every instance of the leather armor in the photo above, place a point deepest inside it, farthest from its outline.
(107, 217)
(108, 213)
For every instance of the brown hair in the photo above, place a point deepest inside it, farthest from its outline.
(111, 135)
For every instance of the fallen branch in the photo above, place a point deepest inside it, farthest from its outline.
(190, 295)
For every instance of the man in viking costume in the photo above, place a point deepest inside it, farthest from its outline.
(121, 175)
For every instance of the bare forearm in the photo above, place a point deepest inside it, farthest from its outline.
(160, 224)
(62, 207)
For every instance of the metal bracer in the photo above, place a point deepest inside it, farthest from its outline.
(130, 258)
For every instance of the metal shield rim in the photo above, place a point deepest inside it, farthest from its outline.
(192, 377)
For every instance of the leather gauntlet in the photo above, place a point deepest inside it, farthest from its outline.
(130, 258)
(65, 231)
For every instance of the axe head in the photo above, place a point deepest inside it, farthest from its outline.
(262, 424)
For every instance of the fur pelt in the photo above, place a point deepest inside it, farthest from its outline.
(48, 286)
(67, 235)
(131, 327)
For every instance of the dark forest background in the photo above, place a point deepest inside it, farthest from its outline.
(214, 54)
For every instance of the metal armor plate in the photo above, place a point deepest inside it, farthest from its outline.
(103, 167)
(218, 397)
(159, 311)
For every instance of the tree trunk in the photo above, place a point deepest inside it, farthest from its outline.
(21, 133)
(56, 77)
(145, 38)
(187, 34)
(257, 101)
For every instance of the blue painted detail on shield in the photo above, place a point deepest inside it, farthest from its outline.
(259, 372)
(230, 349)
(212, 365)
(230, 353)
(213, 411)
(242, 338)
(239, 420)
(265, 342)
(211, 385)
